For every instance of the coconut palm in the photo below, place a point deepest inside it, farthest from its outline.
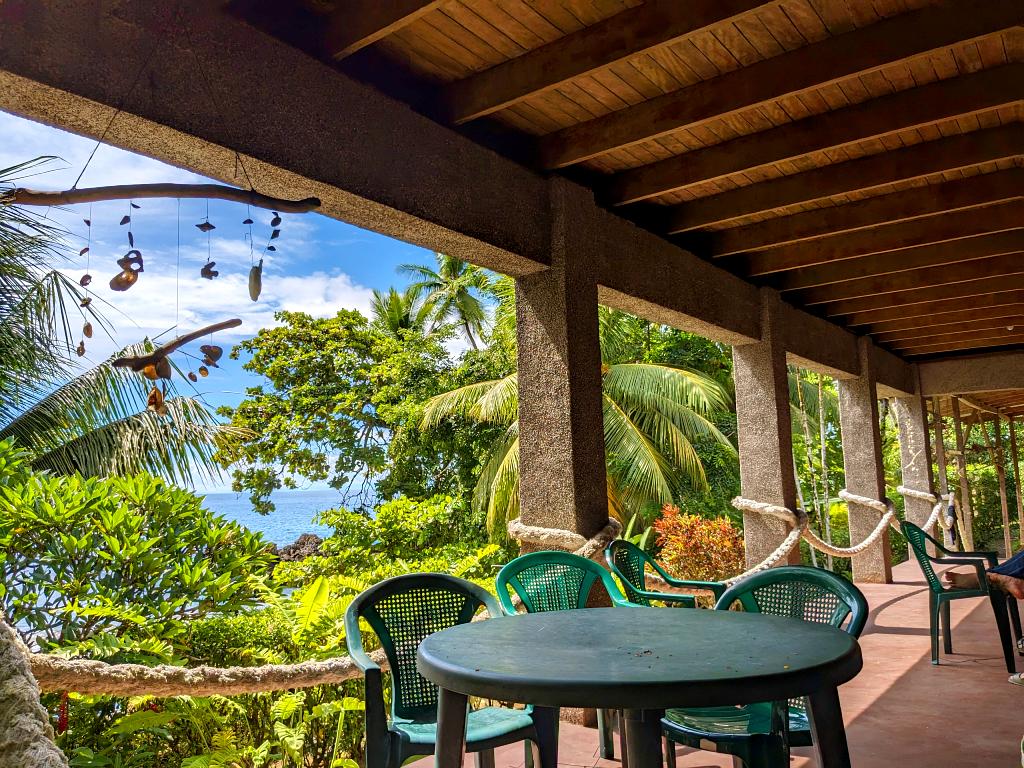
(95, 423)
(397, 311)
(452, 289)
(653, 414)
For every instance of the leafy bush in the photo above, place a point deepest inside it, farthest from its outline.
(694, 547)
(128, 556)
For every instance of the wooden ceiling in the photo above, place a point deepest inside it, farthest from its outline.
(862, 156)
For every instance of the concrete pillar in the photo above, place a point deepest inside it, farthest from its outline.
(862, 459)
(561, 433)
(966, 510)
(765, 431)
(915, 456)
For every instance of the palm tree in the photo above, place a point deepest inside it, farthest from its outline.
(95, 423)
(653, 414)
(397, 311)
(453, 291)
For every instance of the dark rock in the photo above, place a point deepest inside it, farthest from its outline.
(307, 545)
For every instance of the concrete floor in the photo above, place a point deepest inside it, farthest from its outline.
(900, 711)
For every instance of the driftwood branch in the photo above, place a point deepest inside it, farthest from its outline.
(22, 196)
(138, 362)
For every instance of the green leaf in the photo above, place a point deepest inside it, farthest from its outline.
(141, 721)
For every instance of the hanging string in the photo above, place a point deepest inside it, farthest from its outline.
(177, 268)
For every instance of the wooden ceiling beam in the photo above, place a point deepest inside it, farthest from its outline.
(1008, 338)
(939, 256)
(1002, 292)
(913, 203)
(949, 319)
(915, 161)
(876, 285)
(921, 335)
(847, 55)
(892, 238)
(942, 100)
(355, 24)
(628, 33)
(964, 290)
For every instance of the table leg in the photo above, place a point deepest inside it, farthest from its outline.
(827, 729)
(643, 737)
(451, 729)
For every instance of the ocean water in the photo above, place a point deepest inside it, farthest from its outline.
(293, 516)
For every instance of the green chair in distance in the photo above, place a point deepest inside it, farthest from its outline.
(760, 735)
(559, 581)
(629, 562)
(402, 611)
(1004, 606)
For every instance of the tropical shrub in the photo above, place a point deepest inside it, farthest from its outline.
(694, 547)
(85, 562)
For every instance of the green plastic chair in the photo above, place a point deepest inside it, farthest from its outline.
(629, 562)
(760, 735)
(560, 581)
(1004, 606)
(402, 611)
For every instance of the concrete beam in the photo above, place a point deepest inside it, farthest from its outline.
(862, 461)
(979, 373)
(303, 128)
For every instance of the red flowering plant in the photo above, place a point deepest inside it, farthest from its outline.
(698, 548)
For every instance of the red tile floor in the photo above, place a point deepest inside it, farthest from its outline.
(900, 711)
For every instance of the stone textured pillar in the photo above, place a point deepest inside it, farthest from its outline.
(966, 509)
(765, 431)
(915, 456)
(561, 433)
(862, 460)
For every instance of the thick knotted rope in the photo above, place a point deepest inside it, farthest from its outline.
(941, 502)
(567, 541)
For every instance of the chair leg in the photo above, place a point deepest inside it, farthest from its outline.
(669, 748)
(545, 720)
(605, 734)
(999, 608)
(1011, 603)
(484, 758)
(947, 629)
(933, 625)
(529, 748)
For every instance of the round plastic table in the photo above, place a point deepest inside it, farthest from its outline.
(642, 661)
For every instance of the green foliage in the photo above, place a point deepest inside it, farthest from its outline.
(699, 548)
(452, 290)
(83, 560)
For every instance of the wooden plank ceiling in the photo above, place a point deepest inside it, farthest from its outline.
(862, 156)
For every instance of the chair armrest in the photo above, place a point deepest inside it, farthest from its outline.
(991, 557)
(979, 566)
(715, 587)
(667, 597)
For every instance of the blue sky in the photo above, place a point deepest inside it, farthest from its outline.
(321, 265)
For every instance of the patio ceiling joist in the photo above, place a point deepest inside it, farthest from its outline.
(859, 51)
(631, 32)
(963, 292)
(916, 203)
(876, 170)
(355, 24)
(963, 330)
(1001, 292)
(945, 321)
(870, 120)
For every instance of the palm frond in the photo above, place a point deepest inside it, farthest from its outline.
(643, 469)
(494, 402)
(642, 380)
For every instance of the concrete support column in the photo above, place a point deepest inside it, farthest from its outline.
(862, 460)
(561, 432)
(915, 455)
(765, 430)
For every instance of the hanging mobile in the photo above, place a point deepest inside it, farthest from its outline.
(206, 227)
(131, 262)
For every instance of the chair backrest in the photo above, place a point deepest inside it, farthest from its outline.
(918, 540)
(799, 592)
(629, 562)
(552, 581)
(405, 609)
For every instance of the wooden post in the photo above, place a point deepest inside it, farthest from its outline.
(967, 521)
(1016, 479)
(940, 459)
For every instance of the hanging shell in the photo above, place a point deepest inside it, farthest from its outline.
(256, 280)
(161, 369)
(87, 330)
(80, 351)
(124, 280)
(276, 221)
(130, 261)
(84, 280)
(204, 371)
(212, 351)
(156, 403)
(85, 302)
(208, 270)
(192, 377)
(205, 226)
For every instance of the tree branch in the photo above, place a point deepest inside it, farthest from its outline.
(23, 196)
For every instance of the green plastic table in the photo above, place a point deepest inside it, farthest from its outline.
(642, 661)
